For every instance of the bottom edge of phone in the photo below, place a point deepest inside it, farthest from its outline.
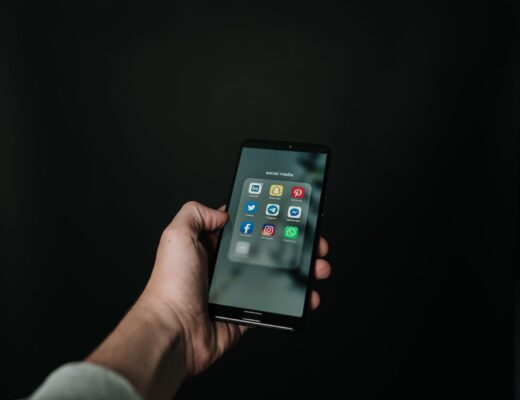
(251, 322)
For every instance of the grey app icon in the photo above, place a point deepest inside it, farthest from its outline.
(242, 248)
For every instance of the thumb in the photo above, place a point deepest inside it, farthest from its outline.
(198, 218)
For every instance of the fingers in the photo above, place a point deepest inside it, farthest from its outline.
(213, 236)
(227, 335)
(315, 300)
(322, 269)
(199, 218)
(243, 329)
(323, 247)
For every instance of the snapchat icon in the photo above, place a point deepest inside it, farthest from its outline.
(276, 190)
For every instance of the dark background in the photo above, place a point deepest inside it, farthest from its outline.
(115, 114)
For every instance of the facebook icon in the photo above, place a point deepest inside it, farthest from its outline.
(247, 227)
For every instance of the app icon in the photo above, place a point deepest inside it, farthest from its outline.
(294, 212)
(276, 190)
(250, 207)
(247, 227)
(297, 192)
(255, 188)
(272, 210)
(268, 230)
(290, 232)
(242, 248)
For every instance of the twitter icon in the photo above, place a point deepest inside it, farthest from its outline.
(250, 207)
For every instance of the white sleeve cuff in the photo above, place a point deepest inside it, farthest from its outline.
(85, 381)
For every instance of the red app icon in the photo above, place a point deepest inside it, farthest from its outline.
(268, 229)
(297, 192)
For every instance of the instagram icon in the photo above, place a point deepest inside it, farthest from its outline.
(268, 230)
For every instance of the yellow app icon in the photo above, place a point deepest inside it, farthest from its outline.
(276, 190)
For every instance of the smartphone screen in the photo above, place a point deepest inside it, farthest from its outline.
(265, 251)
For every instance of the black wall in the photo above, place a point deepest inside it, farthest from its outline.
(113, 115)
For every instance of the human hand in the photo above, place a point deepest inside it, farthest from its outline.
(179, 284)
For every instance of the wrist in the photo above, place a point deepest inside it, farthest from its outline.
(148, 348)
(176, 327)
(162, 317)
(169, 336)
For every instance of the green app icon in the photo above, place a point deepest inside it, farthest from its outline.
(290, 232)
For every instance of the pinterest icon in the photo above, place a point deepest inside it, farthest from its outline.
(297, 192)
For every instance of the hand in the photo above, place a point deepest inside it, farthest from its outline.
(179, 283)
(167, 335)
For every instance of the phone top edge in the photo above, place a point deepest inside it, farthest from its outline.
(288, 146)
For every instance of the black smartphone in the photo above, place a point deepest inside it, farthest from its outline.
(262, 267)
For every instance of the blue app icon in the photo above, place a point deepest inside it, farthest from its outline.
(250, 207)
(247, 227)
(272, 210)
(294, 212)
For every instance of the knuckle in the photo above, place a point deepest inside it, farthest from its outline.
(172, 229)
(168, 232)
(192, 204)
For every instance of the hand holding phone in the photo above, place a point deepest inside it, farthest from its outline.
(171, 317)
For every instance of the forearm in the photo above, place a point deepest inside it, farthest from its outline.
(146, 349)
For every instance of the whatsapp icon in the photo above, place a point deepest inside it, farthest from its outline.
(290, 232)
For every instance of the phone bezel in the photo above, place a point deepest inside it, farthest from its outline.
(261, 318)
